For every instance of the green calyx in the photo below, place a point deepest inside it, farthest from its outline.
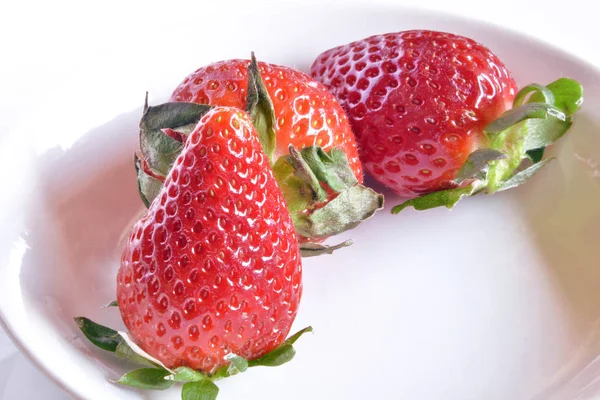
(155, 376)
(322, 194)
(148, 186)
(159, 150)
(517, 139)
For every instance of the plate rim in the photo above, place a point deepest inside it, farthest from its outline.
(427, 13)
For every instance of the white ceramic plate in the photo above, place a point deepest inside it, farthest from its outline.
(496, 299)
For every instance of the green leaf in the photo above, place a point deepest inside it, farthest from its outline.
(148, 186)
(302, 175)
(568, 95)
(292, 339)
(477, 164)
(522, 113)
(139, 351)
(275, 358)
(159, 150)
(124, 352)
(523, 176)
(282, 354)
(203, 390)
(111, 304)
(447, 198)
(173, 115)
(315, 166)
(304, 172)
(536, 155)
(316, 249)
(542, 95)
(220, 373)
(331, 168)
(346, 211)
(260, 107)
(237, 364)
(103, 337)
(541, 133)
(147, 378)
(532, 126)
(186, 374)
(297, 193)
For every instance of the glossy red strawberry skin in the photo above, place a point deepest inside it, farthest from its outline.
(418, 102)
(307, 114)
(213, 267)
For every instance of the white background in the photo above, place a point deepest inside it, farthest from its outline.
(45, 43)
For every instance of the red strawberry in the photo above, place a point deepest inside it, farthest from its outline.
(213, 267)
(420, 102)
(304, 133)
(306, 113)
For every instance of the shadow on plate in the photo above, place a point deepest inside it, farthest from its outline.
(88, 199)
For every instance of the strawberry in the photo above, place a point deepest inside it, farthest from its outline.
(424, 105)
(306, 114)
(213, 267)
(211, 276)
(304, 132)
